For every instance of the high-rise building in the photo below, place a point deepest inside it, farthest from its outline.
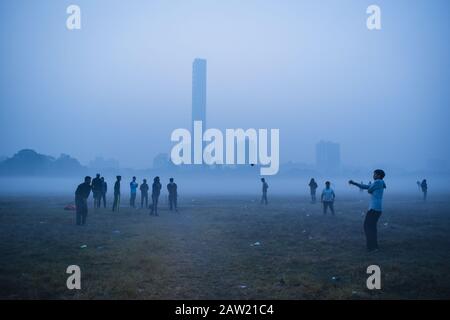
(199, 91)
(328, 157)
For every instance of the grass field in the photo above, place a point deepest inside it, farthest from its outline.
(205, 251)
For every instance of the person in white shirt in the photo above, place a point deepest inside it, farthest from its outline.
(327, 198)
(376, 190)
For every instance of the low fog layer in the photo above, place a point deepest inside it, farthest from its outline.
(188, 186)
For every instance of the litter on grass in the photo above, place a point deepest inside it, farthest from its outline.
(70, 207)
(335, 278)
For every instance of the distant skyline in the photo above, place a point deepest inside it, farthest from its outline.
(119, 86)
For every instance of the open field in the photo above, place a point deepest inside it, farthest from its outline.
(205, 251)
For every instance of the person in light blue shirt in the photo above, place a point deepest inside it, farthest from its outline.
(376, 190)
(327, 198)
(133, 191)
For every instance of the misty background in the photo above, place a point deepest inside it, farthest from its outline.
(118, 87)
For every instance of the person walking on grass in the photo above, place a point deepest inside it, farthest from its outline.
(327, 198)
(376, 190)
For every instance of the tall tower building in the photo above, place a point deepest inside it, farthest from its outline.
(199, 91)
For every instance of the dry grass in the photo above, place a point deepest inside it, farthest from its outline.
(205, 251)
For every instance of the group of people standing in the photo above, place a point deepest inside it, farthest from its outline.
(375, 189)
(99, 188)
(144, 189)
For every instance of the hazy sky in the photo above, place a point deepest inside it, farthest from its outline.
(121, 84)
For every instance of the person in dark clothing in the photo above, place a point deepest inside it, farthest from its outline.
(97, 190)
(265, 186)
(116, 203)
(81, 196)
(376, 190)
(424, 187)
(313, 187)
(144, 193)
(156, 190)
(172, 188)
(104, 190)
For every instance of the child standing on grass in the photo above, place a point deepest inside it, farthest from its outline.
(376, 190)
(327, 198)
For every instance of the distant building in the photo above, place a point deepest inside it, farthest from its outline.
(328, 157)
(198, 95)
(199, 91)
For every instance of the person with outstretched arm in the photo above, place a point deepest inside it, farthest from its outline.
(376, 190)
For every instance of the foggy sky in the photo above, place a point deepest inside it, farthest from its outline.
(120, 85)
